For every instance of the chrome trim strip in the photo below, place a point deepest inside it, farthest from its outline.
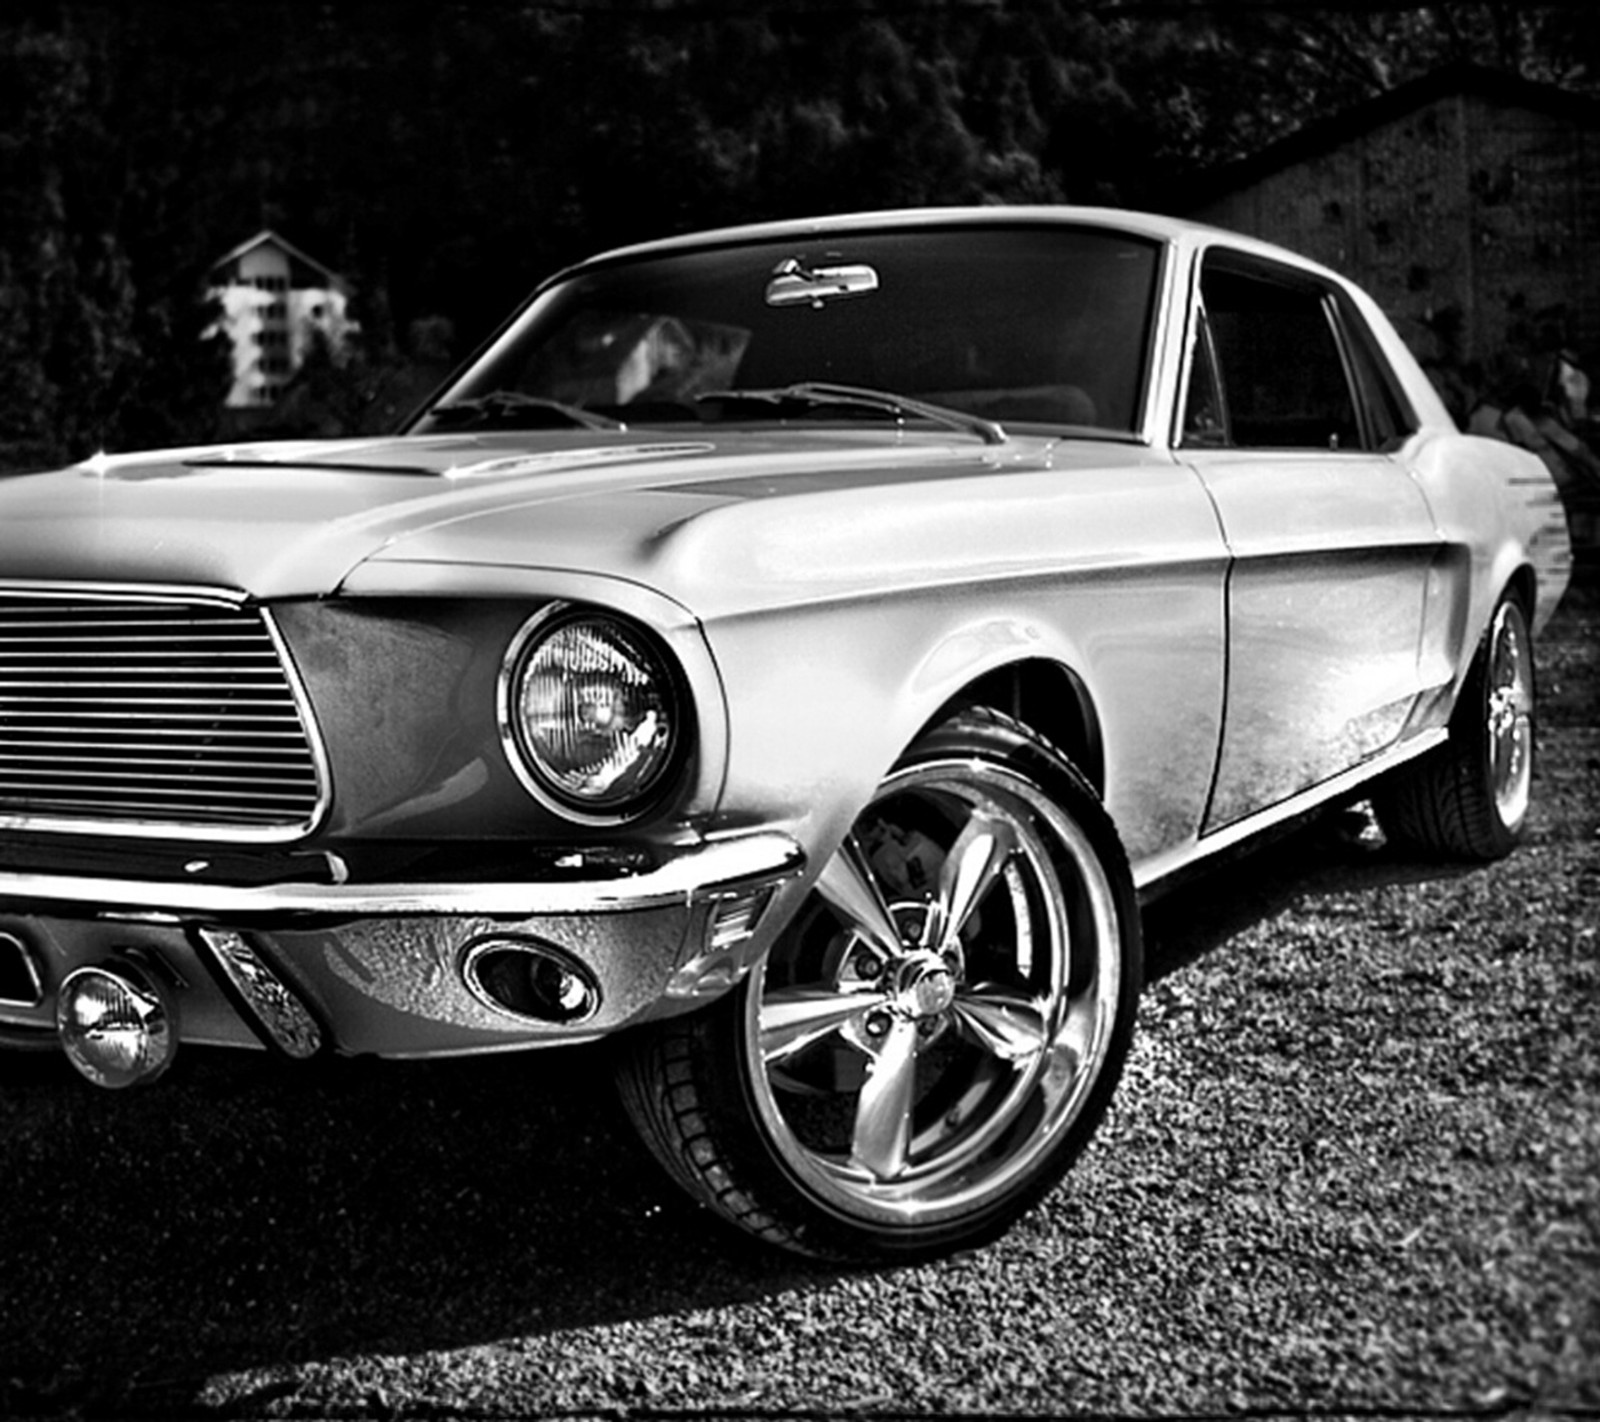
(112, 592)
(1164, 323)
(308, 722)
(282, 1017)
(703, 871)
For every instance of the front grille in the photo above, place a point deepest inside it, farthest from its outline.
(149, 713)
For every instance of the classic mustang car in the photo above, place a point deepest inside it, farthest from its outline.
(795, 651)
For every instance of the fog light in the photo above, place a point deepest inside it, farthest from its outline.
(116, 1024)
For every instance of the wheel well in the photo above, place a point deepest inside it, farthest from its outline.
(1522, 586)
(1047, 698)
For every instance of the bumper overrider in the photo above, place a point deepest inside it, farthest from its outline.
(119, 971)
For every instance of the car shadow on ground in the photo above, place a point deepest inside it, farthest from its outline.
(1335, 851)
(241, 1214)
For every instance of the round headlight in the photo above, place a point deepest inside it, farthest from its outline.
(591, 713)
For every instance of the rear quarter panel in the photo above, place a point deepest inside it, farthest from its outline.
(1498, 511)
(1496, 506)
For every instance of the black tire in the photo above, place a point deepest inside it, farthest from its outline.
(1468, 799)
(881, 1088)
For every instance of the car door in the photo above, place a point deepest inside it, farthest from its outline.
(1293, 424)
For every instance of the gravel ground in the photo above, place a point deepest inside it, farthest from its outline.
(1354, 1169)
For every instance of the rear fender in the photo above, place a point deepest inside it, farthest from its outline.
(1472, 484)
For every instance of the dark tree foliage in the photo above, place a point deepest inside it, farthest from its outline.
(445, 156)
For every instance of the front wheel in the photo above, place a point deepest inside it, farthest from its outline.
(1469, 798)
(935, 1035)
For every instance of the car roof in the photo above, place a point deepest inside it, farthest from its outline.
(1154, 226)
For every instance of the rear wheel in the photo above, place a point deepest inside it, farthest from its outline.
(1469, 798)
(935, 1035)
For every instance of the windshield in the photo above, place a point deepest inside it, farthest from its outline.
(1029, 324)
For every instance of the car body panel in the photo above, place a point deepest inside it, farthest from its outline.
(1332, 555)
(1222, 639)
(1052, 538)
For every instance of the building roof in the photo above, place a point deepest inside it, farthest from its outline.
(298, 260)
(1324, 135)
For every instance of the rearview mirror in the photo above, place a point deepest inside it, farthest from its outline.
(795, 284)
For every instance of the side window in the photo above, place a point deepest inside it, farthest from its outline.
(1390, 417)
(1205, 423)
(1282, 373)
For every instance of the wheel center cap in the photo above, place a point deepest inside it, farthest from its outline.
(927, 987)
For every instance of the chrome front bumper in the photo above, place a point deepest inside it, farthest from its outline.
(708, 869)
(389, 968)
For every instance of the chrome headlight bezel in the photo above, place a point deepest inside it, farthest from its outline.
(664, 757)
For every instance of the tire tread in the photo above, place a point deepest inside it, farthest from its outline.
(659, 1088)
(1439, 806)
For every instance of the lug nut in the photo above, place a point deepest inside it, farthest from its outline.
(877, 1023)
(866, 965)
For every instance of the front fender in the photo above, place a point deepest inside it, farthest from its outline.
(357, 649)
(824, 699)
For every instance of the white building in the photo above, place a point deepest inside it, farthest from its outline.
(275, 300)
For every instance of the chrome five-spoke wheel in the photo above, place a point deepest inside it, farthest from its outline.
(935, 1033)
(1508, 714)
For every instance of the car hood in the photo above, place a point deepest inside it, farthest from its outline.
(282, 519)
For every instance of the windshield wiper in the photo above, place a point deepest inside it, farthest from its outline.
(818, 394)
(512, 407)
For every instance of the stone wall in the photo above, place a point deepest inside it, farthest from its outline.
(1475, 222)
(1471, 211)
